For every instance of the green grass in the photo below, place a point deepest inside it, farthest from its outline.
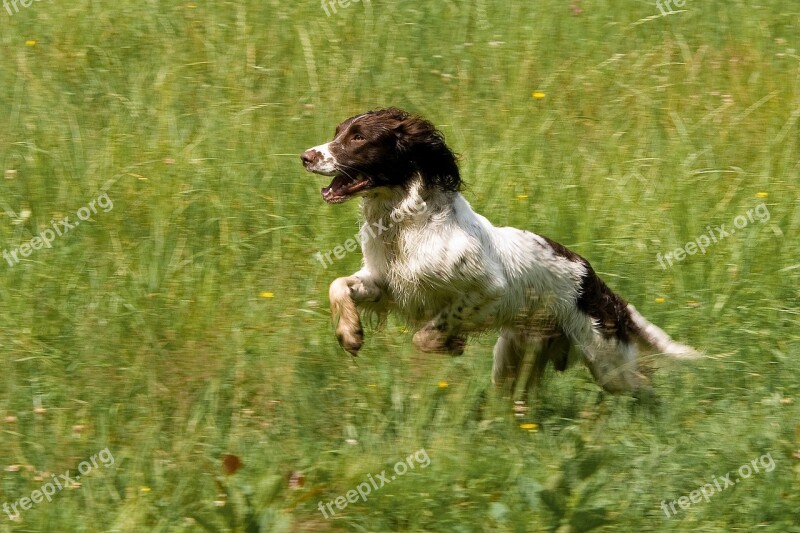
(146, 330)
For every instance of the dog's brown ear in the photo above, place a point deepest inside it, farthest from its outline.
(424, 146)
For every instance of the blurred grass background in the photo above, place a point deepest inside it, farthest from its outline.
(191, 321)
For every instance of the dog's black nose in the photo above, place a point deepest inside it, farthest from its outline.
(308, 157)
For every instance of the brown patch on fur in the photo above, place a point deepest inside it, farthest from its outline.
(597, 300)
(562, 251)
(609, 310)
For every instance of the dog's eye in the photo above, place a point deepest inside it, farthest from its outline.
(358, 137)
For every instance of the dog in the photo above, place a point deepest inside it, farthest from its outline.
(451, 273)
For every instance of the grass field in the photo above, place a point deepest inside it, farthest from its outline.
(180, 334)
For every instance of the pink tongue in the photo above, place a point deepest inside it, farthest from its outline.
(330, 191)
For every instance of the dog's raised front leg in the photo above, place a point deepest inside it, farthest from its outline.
(345, 294)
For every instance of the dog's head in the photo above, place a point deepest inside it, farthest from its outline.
(382, 148)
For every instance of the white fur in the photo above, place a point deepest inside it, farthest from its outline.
(451, 273)
(326, 163)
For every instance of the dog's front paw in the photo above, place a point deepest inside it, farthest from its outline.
(349, 338)
(344, 313)
(435, 341)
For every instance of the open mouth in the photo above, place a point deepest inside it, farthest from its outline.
(343, 188)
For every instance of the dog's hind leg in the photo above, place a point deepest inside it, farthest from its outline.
(509, 352)
(552, 349)
(613, 363)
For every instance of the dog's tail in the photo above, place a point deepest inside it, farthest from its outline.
(657, 340)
